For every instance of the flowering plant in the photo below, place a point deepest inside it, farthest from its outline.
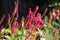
(34, 27)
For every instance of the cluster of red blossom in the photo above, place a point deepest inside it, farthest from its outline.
(34, 20)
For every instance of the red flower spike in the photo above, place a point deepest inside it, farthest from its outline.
(38, 18)
(12, 30)
(15, 9)
(1, 21)
(8, 18)
(35, 10)
(30, 13)
(27, 25)
(14, 26)
(40, 25)
(29, 22)
(16, 18)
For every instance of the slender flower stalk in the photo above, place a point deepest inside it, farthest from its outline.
(1, 21)
(35, 10)
(40, 25)
(16, 8)
(44, 12)
(9, 18)
(30, 13)
(14, 25)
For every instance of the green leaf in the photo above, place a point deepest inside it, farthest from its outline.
(7, 31)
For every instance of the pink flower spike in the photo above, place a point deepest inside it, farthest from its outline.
(45, 10)
(15, 9)
(38, 14)
(16, 18)
(12, 30)
(14, 26)
(39, 17)
(1, 21)
(30, 12)
(8, 18)
(40, 25)
(35, 10)
(27, 25)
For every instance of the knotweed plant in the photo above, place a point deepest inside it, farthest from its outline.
(34, 27)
